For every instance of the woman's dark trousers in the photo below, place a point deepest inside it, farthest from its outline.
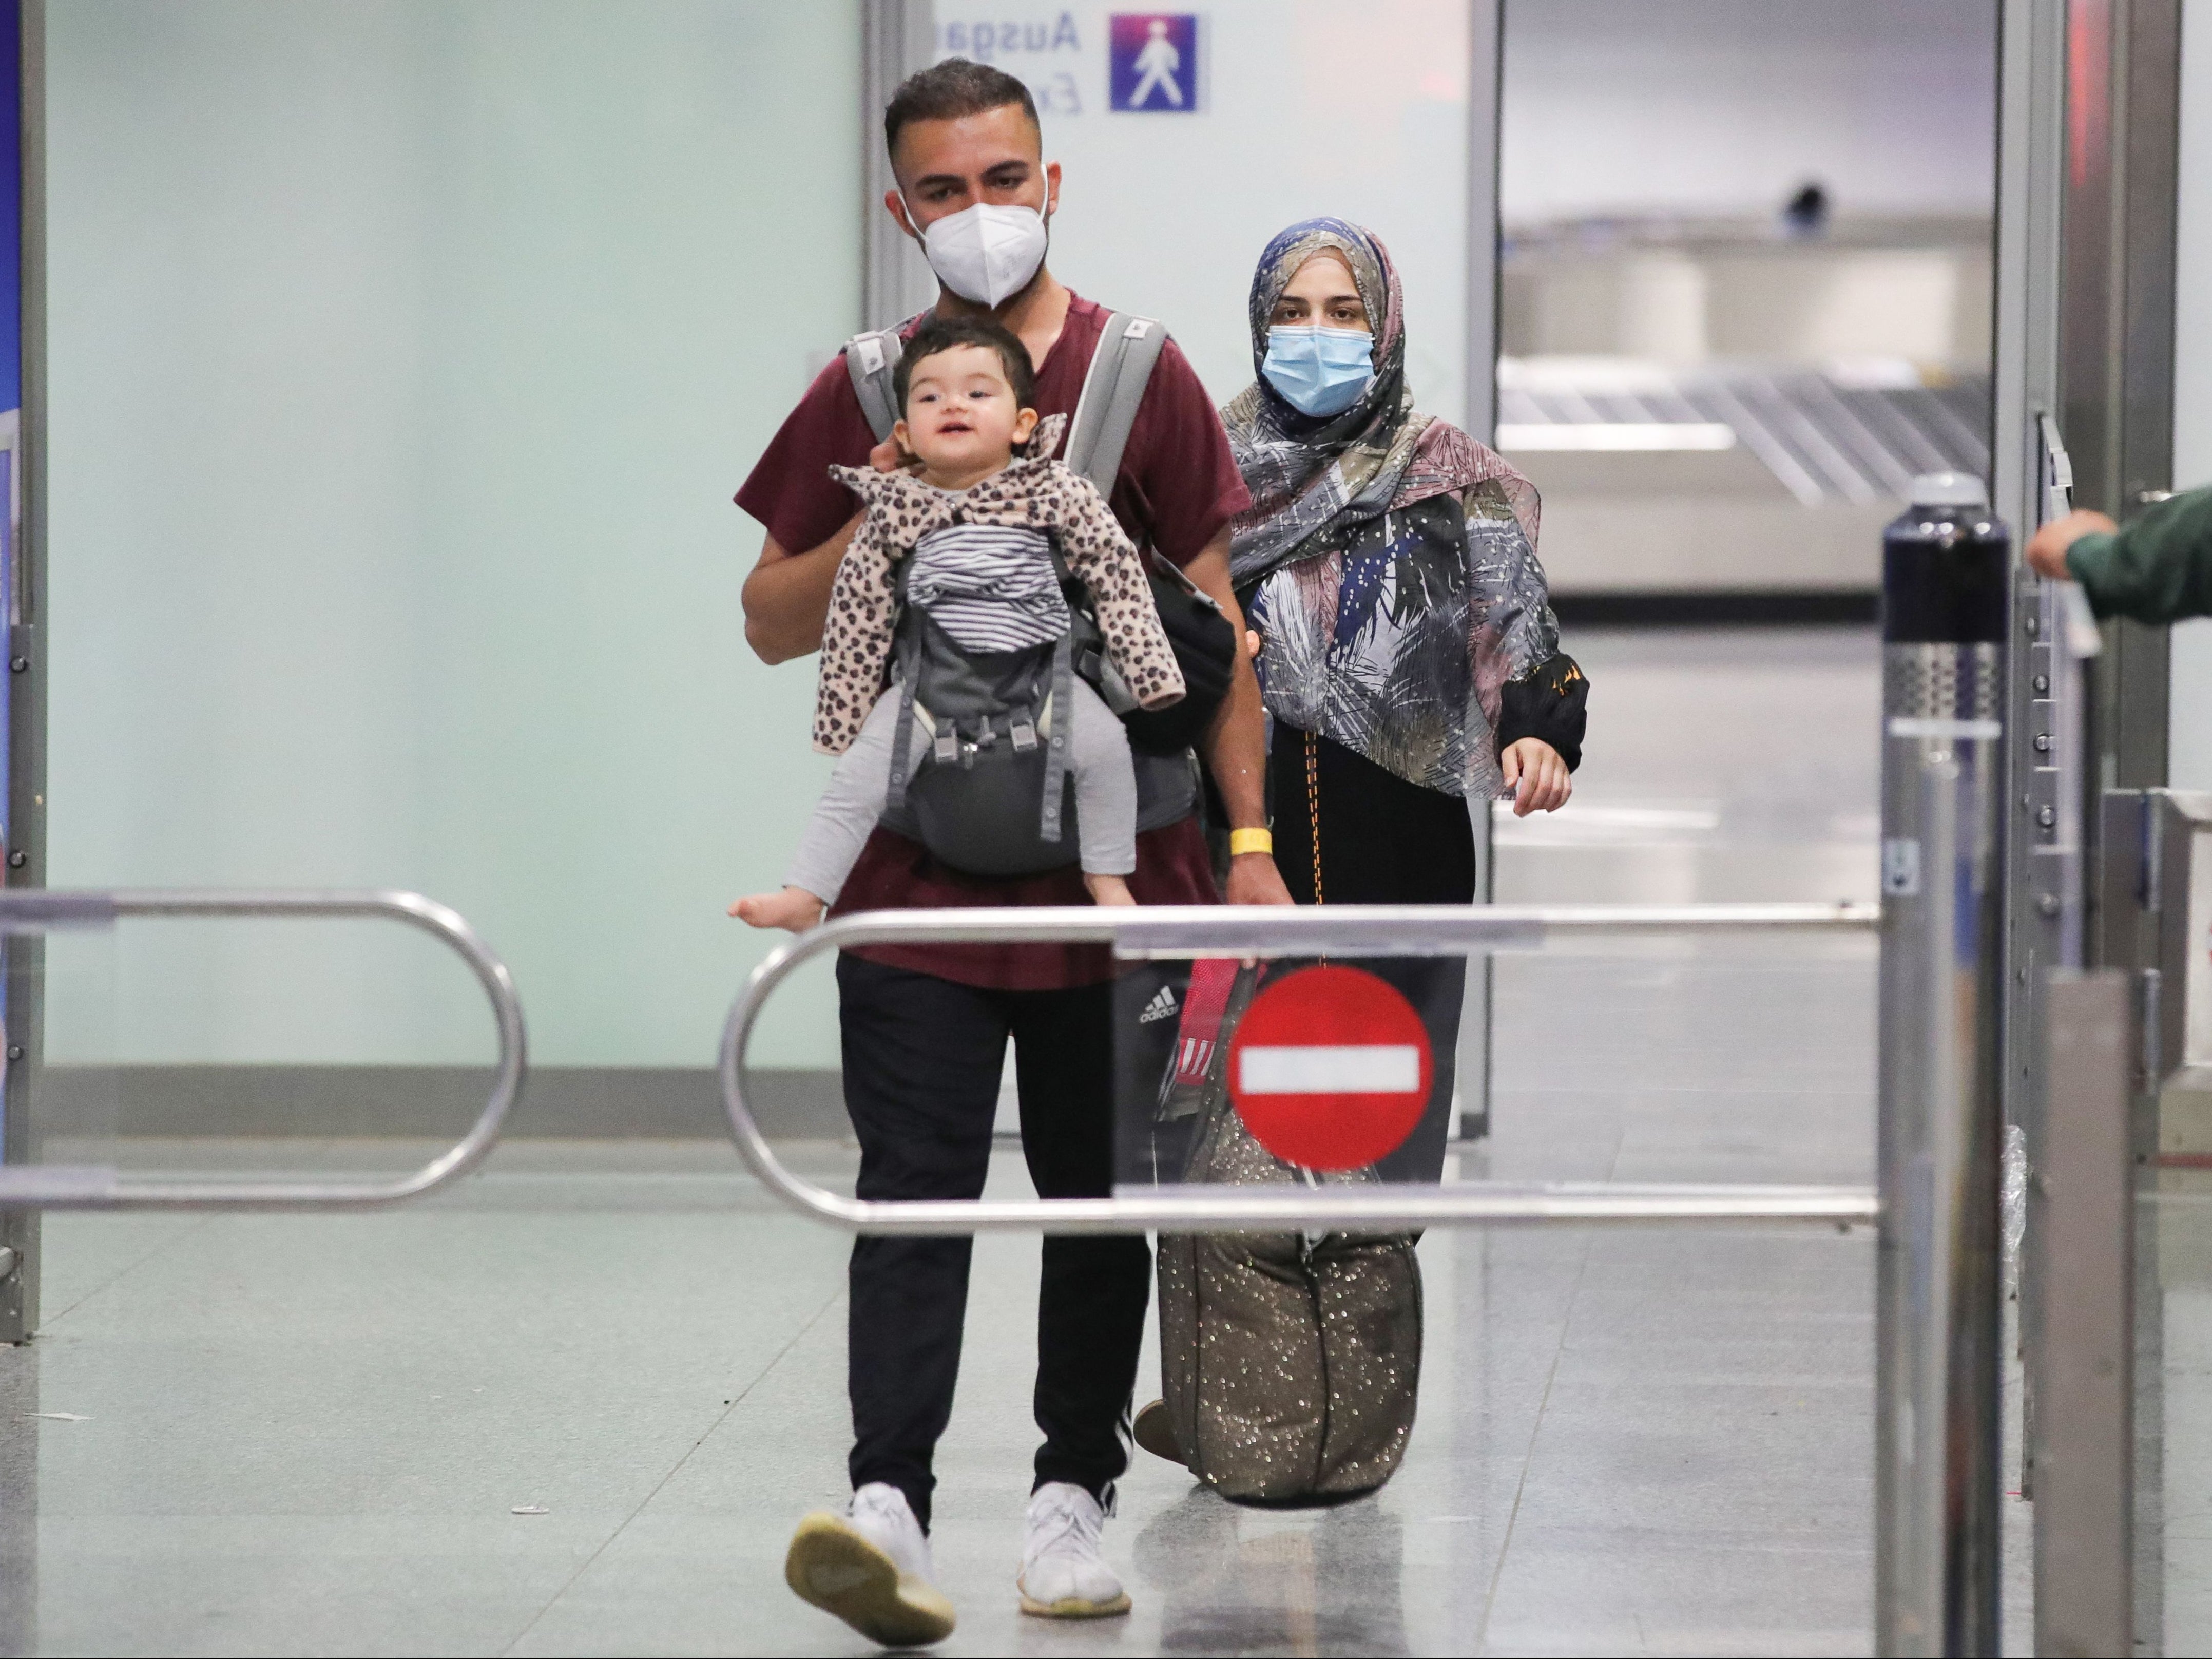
(923, 1057)
(1384, 840)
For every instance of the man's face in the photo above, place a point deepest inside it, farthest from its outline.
(944, 167)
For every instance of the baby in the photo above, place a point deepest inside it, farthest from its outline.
(978, 528)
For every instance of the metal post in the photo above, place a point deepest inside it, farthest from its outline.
(1478, 1011)
(1938, 1329)
(2117, 277)
(897, 36)
(2047, 767)
(22, 958)
(2082, 1236)
(1486, 41)
(2153, 913)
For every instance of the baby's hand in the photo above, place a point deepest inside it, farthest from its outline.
(794, 909)
(1107, 890)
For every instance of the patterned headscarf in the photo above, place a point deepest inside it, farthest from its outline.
(1388, 561)
(1313, 480)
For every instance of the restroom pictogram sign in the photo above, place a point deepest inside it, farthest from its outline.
(1330, 1068)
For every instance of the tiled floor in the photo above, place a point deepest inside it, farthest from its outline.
(309, 1434)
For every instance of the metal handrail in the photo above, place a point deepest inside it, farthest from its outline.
(100, 1188)
(1172, 931)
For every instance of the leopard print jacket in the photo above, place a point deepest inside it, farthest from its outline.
(1033, 493)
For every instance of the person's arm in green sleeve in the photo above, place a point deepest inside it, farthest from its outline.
(2156, 570)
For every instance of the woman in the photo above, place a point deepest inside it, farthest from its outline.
(1407, 651)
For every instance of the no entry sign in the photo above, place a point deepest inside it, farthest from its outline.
(1330, 1068)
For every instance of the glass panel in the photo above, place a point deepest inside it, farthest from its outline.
(150, 1068)
(1745, 282)
(73, 1107)
(1679, 1059)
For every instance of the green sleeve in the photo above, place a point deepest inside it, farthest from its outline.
(2158, 568)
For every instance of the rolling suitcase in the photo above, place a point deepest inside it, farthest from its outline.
(1291, 1361)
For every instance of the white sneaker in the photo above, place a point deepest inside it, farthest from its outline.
(870, 1567)
(1063, 1576)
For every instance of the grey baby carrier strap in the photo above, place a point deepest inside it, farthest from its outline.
(1113, 390)
(869, 360)
(1105, 412)
(909, 668)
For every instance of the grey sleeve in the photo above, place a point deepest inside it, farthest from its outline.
(1105, 788)
(849, 807)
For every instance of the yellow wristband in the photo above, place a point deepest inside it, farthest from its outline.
(1242, 841)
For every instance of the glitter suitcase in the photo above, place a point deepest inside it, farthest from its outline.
(1291, 1361)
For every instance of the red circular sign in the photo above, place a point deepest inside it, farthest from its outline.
(1330, 1068)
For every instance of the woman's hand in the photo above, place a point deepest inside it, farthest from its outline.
(1537, 776)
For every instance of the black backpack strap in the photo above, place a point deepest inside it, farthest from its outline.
(870, 357)
(1113, 389)
(1092, 665)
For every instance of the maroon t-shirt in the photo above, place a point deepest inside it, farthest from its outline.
(1177, 487)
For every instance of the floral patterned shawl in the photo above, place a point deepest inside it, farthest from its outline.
(1388, 560)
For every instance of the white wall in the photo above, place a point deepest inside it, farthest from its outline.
(2190, 754)
(405, 359)
(1721, 107)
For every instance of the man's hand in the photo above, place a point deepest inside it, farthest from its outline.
(787, 598)
(1235, 750)
(1254, 879)
(1537, 776)
(2046, 552)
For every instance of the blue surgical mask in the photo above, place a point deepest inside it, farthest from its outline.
(1319, 371)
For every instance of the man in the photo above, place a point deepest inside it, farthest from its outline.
(924, 1029)
(2158, 570)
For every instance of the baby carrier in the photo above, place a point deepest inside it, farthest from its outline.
(984, 784)
(991, 794)
(1291, 1361)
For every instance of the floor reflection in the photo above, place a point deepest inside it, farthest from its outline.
(1236, 1581)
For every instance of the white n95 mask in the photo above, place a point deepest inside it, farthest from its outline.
(986, 253)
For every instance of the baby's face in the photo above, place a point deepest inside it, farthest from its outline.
(961, 413)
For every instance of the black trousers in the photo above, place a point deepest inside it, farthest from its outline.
(1383, 840)
(922, 1061)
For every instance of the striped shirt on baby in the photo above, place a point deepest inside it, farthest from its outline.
(991, 587)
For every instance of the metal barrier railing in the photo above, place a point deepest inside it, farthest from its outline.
(1337, 930)
(1940, 1132)
(52, 1187)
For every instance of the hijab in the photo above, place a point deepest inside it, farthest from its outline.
(1315, 481)
(1387, 560)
